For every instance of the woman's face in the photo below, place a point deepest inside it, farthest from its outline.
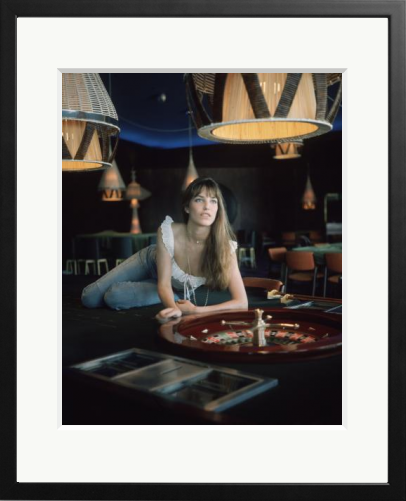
(203, 208)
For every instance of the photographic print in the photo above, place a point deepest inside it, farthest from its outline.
(159, 327)
(210, 230)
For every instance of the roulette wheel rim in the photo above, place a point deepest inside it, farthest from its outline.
(188, 332)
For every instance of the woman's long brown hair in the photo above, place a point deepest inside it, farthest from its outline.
(217, 256)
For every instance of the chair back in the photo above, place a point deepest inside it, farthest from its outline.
(334, 262)
(277, 254)
(288, 237)
(316, 236)
(300, 261)
(263, 283)
(121, 247)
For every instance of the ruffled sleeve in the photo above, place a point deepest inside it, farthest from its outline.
(167, 235)
(234, 246)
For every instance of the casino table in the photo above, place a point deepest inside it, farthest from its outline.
(320, 250)
(139, 240)
(309, 390)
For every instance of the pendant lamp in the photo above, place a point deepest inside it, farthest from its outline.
(261, 107)
(191, 173)
(112, 184)
(135, 192)
(287, 151)
(89, 120)
(309, 197)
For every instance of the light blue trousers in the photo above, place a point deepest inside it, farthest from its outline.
(131, 284)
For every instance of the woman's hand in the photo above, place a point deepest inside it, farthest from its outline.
(168, 314)
(186, 307)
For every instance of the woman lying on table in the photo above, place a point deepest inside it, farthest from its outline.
(201, 251)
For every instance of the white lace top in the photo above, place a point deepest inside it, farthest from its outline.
(180, 279)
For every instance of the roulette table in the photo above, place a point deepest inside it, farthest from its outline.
(309, 388)
(266, 335)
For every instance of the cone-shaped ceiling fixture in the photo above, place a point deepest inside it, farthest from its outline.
(309, 197)
(261, 107)
(112, 184)
(89, 120)
(135, 192)
(191, 173)
(287, 151)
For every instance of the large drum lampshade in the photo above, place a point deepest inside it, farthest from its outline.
(89, 123)
(262, 107)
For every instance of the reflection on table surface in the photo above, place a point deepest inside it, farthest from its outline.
(320, 250)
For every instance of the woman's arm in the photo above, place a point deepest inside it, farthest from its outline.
(236, 287)
(165, 292)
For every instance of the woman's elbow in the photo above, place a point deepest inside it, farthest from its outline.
(241, 304)
(244, 305)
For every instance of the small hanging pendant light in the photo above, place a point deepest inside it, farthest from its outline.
(135, 192)
(309, 197)
(112, 184)
(191, 173)
(89, 120)
(287, 151)
(261, 107)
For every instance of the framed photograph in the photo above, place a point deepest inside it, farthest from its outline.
(364, 458)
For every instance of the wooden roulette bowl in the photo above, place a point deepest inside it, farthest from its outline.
(214, 337)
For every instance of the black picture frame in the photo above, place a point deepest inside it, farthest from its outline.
(394, 11)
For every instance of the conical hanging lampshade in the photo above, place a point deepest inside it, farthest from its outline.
(135, 192)
(89, 120)
(112, 184)
(287, 151)
(309, 197)
(191, 173)
(261, 107)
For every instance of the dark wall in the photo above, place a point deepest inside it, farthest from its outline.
(268, 191)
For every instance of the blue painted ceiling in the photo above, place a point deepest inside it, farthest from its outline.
(152, 109)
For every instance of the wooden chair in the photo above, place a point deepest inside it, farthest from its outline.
(316, 236)
(289, 238)
(334, 264)
(268, 284)
(300, 267)
(277, 255)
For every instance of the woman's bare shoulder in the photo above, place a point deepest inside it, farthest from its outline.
(178, 229)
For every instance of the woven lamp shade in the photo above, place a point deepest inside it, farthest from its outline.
(288, 151)
(261, 107)
(112, 184)
(89, 121)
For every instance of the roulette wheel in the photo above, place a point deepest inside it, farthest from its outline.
(268, 335)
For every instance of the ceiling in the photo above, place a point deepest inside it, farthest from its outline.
(152, 109)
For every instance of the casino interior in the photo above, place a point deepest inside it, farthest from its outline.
(131, 143)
